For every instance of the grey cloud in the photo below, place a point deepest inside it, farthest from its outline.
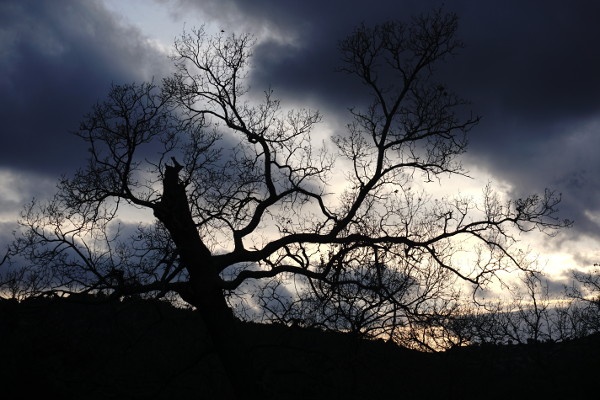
(19, 188)
(59, 58)
(559, 154)
(557, 286)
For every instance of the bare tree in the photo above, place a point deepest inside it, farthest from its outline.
(530, 315)
(241, 193)
(585, 291)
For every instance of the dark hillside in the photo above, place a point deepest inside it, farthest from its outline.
(93, 349)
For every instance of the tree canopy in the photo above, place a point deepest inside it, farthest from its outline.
(243, 200)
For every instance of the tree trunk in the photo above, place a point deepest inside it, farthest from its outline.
(174, 212)
(204, 287)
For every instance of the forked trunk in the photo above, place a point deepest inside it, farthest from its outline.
(203, 290)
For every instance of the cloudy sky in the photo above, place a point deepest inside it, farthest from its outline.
(530, 69)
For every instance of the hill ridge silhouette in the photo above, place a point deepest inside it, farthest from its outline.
(81, 348)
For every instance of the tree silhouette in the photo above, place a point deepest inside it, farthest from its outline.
(241, 191)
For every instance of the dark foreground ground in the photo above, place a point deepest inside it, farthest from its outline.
(147, 350)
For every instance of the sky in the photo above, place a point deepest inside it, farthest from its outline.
(530, 69)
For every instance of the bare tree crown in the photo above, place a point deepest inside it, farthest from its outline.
(240, 192)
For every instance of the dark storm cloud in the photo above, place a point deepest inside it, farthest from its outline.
(543, 48)
(531, 71)
(529, 68)
(301, 55)
(58, 58)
